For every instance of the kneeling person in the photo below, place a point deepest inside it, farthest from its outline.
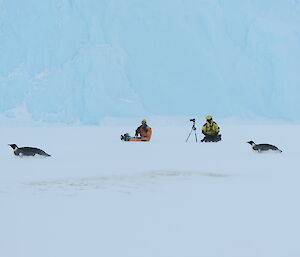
(142, 133)
(211, 130)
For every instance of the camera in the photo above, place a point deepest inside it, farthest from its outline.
(193, 129)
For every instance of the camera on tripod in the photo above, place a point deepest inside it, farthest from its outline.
(193, 129)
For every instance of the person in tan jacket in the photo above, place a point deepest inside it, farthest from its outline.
(142, 133)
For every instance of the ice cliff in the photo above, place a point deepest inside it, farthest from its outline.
(84, 60)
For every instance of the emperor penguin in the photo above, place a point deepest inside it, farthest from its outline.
(264, 147)
(28, 151)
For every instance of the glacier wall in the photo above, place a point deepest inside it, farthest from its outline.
(84, 60)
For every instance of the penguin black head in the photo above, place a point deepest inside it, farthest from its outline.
(251, 143)
(14, 146)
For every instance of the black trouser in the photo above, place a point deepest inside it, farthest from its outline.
(211, 138)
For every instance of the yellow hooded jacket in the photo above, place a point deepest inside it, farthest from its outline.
(210, 128)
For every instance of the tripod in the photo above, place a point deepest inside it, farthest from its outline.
(193, 129)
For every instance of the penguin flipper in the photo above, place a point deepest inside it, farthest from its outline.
(41, 152)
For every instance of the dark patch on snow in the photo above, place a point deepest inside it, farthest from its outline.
(122, 183)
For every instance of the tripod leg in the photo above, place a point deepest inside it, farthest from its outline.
(189, 136)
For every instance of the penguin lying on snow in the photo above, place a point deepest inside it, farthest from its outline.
(27, 151)
(263, 147)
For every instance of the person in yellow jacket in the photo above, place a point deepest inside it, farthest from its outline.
(142, 133)
(210, 130)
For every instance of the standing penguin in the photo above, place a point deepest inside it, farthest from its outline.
(264, 147)
(28, 151)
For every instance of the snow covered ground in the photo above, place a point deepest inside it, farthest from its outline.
(99, 196)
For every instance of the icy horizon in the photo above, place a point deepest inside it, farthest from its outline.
(84, 61)
(24, 120)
